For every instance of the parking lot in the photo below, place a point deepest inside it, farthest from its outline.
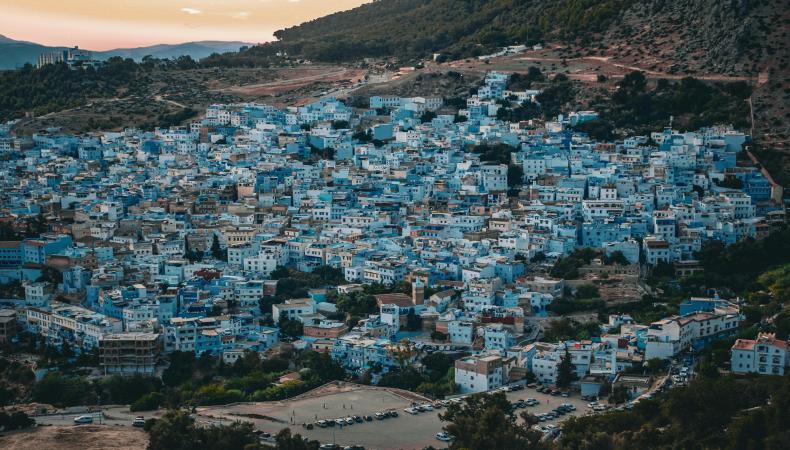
(406, 431)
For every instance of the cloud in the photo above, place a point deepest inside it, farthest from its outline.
(240, 15)
(191, 11)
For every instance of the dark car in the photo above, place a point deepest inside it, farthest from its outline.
(368, 419)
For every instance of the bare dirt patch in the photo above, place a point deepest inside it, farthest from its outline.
(287, 80)
(90, 437)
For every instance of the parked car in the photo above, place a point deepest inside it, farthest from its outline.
(83, 420)
(444, 437)
(138, 422)
(413, 411)
(358, 419)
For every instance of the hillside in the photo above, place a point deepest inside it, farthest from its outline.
(738, 36)
(713, 40)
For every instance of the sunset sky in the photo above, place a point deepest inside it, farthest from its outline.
(107, 24)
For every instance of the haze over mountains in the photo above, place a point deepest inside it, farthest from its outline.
(14, 54)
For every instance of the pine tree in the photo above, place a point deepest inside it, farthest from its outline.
(565, 373)
(216, 250)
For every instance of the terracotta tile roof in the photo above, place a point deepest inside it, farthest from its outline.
(399, 299)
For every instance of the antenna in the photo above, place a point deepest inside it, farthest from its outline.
(671, 119)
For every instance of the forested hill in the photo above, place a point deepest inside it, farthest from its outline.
(710, 35)
(416, 28)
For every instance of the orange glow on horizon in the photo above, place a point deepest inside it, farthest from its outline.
(103, 25)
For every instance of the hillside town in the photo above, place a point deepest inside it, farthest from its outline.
(379, 236)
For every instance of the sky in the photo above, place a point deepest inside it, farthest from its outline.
(108, 24)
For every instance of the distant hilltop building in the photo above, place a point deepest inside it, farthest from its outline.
(73, 57)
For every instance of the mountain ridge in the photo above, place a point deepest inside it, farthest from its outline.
(15, 53)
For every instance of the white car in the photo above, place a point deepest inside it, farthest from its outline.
(427, 407)
(444, 437)
(83, 419)
(413, 411)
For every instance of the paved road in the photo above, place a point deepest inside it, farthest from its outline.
(112, 415)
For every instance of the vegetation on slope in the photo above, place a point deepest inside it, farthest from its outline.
(409, 29)
(56, 87)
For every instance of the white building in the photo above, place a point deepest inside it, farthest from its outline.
(765, 355)
(293, 309)
(37, 294)
(482, 373)
(75, 325)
